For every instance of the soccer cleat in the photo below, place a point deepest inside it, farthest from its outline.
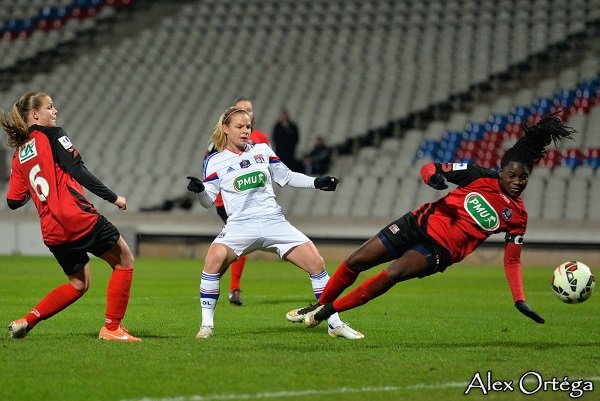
(18, 328)
(345, 331)
(206, 332)
(309, 317)
(297, 315)
(120, 334)
(234, 297)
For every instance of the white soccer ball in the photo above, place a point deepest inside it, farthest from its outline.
(573, 282)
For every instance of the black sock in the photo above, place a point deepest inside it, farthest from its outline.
(325, 312)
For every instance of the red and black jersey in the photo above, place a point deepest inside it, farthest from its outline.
(468, 215)
(256, 136)
(41, 168)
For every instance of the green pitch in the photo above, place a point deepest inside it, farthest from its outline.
(430, 339)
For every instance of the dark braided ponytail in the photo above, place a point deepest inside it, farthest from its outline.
(531, 147)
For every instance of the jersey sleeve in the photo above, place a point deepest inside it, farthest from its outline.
(280, 172)
(513, 270)
(461, 174)
(212, 183)
(83, 176)
(65, 154)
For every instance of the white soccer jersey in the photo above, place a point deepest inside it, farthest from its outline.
(245, 181)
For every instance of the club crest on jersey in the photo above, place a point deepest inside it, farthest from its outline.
(65, 142)
(481, 211)
(255, 179)
(507, 213)
(447, 167)
(245, 163)
(259, 158)
(27, 151)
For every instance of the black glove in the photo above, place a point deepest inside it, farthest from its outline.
(527, 311)
(326, 183)
(195, 185)
(437, 181)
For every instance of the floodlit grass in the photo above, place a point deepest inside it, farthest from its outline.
(424, 339)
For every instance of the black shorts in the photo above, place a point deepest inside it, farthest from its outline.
(405, 234)
(73, 256)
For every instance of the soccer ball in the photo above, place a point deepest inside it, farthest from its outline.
(573, 282)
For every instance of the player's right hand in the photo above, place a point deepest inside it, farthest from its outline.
(527, 311)
(437, 181)
(195, 185)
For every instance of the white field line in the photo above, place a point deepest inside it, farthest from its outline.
(290, 394)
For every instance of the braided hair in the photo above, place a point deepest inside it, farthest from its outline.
(531, 147)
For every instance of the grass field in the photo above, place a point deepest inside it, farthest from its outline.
(424, 340)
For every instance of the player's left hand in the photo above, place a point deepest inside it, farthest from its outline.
(527, 311)
(326, 183)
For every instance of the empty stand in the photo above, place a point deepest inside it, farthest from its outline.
(142, 109)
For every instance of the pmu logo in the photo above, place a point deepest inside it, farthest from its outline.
(255, 179)
(27, 151)
(481, 211)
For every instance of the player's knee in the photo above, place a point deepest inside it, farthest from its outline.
(80, 286)
(316, 264)
(214, 264)
(127, 260)
(396, 273)
(407, 267)
(358, 261)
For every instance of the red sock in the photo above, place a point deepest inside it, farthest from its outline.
(56, 300)
(117, 296)
(341, 279)
(237, 268)
(371, 288)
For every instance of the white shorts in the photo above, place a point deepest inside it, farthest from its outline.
(276, 236)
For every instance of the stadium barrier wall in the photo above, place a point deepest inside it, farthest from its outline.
(188, 235)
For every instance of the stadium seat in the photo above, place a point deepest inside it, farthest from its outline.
(572, 158)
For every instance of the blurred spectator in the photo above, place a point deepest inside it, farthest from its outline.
(285, 140)
(318, 160)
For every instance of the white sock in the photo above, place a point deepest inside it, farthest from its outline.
(319, 281)
(209, 294)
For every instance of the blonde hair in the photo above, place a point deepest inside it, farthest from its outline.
(218, 137)
(15, 123)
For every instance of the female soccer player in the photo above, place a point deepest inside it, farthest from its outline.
(436, 235)
(47, 168)
(243, 173)
(237, 267)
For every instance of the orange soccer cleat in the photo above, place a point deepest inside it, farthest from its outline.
(120, 334)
